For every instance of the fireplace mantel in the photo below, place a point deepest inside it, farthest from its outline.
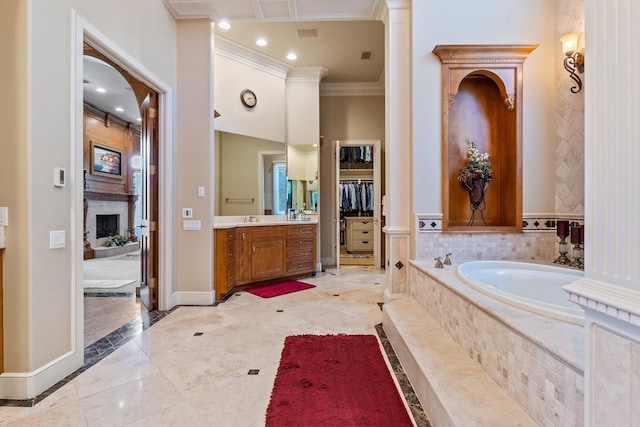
(110, 197)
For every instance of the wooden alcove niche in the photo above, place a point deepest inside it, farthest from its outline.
(482, 101)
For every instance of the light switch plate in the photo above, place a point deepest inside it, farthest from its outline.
(200, 191)
(191, 225)
(59, 177)
(4, 216)
(56, 239)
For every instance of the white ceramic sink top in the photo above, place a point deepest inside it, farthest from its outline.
(258, 220)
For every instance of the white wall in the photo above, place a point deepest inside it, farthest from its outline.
(267, 119)
(488, 22)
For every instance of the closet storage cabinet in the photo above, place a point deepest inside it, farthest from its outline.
(245, 256)
(359, 234)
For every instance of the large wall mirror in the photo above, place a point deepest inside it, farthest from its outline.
(302, 175)
(261, 177)
(251, 176)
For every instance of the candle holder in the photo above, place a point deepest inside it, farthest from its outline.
(562, 231)
(577, 256)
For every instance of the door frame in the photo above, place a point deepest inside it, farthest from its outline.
(377, 196)
(84, 31)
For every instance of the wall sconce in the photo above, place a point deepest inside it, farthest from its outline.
(574, 60)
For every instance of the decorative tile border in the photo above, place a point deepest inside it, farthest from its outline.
(430, 223)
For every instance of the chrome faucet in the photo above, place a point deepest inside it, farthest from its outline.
(447, 260)
(438, 262)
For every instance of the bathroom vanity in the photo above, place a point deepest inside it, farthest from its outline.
(247, 254)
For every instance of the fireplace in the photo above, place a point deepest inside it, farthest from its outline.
(107, 225)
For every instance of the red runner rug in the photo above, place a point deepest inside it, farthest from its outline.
(334, 380)
(280, 288)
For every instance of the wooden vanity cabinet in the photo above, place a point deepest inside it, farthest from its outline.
(267, 253)
(301, 248)
(251, 255)
(225, 259)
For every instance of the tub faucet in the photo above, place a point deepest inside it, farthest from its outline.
(447, 260)
(438, 262)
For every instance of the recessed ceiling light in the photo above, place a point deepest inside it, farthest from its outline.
(224, 25)
(139, 119)
(100, 90)
(261, 42)
(119, 109)
(292, 56)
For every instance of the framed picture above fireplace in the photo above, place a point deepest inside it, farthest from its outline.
(105, 161)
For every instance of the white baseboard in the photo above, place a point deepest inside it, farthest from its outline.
(194, 298)
(27, 385)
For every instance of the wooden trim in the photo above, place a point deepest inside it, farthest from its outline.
(1, 315)
(502, 65)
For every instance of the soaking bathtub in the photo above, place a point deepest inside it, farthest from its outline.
(534, 287)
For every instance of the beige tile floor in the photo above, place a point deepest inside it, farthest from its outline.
(103, 315)
(168, 376)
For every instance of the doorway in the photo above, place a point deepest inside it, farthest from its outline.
(120, 268)
(358, 178)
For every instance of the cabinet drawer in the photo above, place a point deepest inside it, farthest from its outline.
(362, 235)
(266, 233)
(362, 224)
(300, 230)
(299, 265)
(299, 252)
(300, 241)
(362, 245)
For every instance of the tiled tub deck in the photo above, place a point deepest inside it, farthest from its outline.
(538, 361)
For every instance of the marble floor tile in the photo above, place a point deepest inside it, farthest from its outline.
(205, 366)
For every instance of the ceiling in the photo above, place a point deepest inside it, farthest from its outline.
(344, 30)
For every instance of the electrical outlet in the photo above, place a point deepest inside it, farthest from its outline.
(200, 191)
(187, 213)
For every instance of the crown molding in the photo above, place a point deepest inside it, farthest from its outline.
(352, 89)
(238, 53)
(307, 74)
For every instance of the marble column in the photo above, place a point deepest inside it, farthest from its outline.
(398, 145)
(610, 290)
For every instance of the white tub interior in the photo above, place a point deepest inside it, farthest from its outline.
(533, 287)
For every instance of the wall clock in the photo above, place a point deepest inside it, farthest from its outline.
(248, 98)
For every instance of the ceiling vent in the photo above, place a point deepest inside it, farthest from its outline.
(366, 55)
(307, 33)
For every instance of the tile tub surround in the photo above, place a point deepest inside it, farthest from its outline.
(538, 361)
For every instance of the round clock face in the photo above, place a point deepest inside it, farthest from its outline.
(248, 98)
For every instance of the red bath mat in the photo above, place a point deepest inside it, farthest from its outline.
(280, 288)
(334, 380)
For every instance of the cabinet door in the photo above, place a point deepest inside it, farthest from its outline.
(267, 260)
(243, 255)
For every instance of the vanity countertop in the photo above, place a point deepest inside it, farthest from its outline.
(221, 222)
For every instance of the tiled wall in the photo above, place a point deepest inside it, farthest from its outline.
(569, 108)
(551, 391)
(537, 242)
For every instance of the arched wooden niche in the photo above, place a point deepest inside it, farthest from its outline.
(482, 101)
